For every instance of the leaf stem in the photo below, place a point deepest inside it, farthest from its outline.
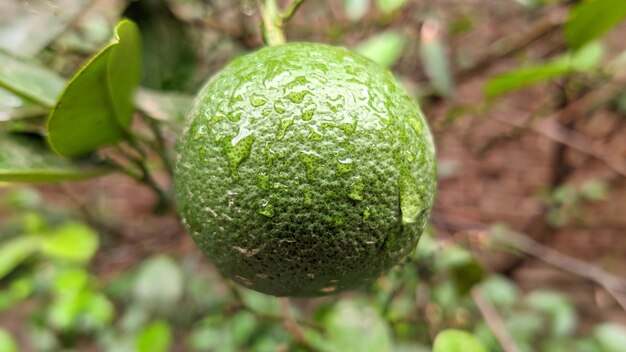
(273, 20)
(291, 9)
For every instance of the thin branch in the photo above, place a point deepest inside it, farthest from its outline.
(616, 286)
(494, 321)
(574, 140)
(291, 9)
(290, 322)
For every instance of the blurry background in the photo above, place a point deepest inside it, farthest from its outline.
(529, 116)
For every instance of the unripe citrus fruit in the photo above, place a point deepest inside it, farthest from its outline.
(304, 170)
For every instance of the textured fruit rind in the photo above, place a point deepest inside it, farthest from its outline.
(304, 170)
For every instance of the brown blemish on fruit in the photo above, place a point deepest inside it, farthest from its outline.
(328, 289)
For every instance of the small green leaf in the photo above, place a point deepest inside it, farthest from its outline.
(29, 80)
(96, 107)
(73, 242)
(15, 252)
(560, 310)
(500, 291)
(7, 344)
(390, 6)
(611, 337)
(463, 268)
(159, 284)
(384, 48)
(435, 59)
(24, 158)
(452, 340)
(156, 337)
(590, 19)
(356, 9)
(354, 326)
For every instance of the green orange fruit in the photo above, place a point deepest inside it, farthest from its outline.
(304, 169)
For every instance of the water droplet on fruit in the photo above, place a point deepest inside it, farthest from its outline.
(282, 129)
(267, 209)
(263, 181)
(356, 189)
(307, 114)
(310, 160)
(411, 204)
(314, 134)
(297, 97)
(237, 149)
(349, 125)
(257, 100)
(279, 107)
(234, 117)
(344, 166)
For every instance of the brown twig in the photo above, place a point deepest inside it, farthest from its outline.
(290, 322)
(614, 285)
(494, 321)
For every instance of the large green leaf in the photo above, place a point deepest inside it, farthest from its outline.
(96, 107)
(590, 19)
(28, 79)
(452, 340)
(25, 158)
(585, 59)
(7, 343)
(156, 337)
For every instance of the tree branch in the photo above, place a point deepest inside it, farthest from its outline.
(494, 321)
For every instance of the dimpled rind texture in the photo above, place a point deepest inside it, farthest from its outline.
(304, 170)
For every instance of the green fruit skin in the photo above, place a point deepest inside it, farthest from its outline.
(304, 170)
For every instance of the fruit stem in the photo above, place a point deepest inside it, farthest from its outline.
(291, 9)
(272, 23)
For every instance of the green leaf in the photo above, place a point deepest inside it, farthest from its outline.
(73, 242)
(96, 107)
(590, 19)
(7, 344)
(355, 326)
(124, 70)
(390, 6)
(560, 310)
(356, 9)
(384, 48)
(156, 337)
(159, 284)
(15, 252)
(585, 59)
(29, 80)
(25, 158)
(435, 59)
(452, 340)
(611, 337)
(500, 291)
(463, 268)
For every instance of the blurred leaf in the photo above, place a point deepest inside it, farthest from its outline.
(463, 268)
(594, 190)
(95, 109)
(259, 302)
(71, 281)
(25, 159)
(558, 307)
(590, 19)
(15, 252)
(356, 9)
(452, 340)
(611, 337)
(29, 80)
(435, 59)
(159, 284)
(19, 289)
(384, 48)
(22, 198)
(167, 50)
(27, 29)
(500, 291)
(7, 344)
(156, 337)
(585, 59)
(354, 326)
(164, 106)
(390, 6)
(243, 326)
(73, 242)
(524, 326)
